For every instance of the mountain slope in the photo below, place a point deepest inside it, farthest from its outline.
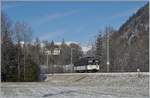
(129, 49)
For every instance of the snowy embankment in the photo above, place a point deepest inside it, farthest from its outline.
(84, 85)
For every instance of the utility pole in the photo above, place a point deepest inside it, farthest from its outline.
(56, 51)
(107, 45)
(71, 56)
(18, 58)
(47, 53)
(71, 59)
(47, 64)
(24, 63)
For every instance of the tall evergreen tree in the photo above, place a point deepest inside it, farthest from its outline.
(99, 46)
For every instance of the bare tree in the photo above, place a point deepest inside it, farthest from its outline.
(23, 37)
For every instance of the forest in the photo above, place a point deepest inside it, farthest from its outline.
(22, 58)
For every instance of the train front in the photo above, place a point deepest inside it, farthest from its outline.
(87, 64)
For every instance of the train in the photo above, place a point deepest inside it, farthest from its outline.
(87, 64)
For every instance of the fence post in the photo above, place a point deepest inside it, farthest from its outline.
(138, 72)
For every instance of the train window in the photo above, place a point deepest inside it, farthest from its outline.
(96, 61)
(86, 61)
(90, 61)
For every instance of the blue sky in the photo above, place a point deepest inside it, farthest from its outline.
(72, 21)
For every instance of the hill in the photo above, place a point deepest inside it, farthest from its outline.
(129, 45)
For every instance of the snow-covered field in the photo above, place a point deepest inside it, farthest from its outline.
(85, 85)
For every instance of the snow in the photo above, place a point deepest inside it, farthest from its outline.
(85, 85)
(86, 48)
(67, 42)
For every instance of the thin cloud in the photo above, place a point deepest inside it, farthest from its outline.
(51, 17)
(107, 19)
(51, 35)
(10, 5)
